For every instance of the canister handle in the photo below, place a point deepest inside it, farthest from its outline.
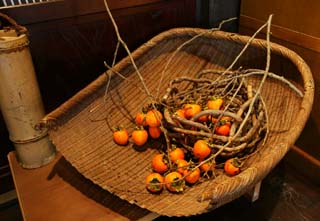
(18, 28)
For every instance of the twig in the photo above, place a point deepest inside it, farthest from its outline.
(120, 75)
(115, 54)
(191, 123)
(216, 113)
(267, 121)
(229, 149)
(249, 42)
(250, 72)
(200, 134)
(127, 50)
(263, 79)
(185, 43)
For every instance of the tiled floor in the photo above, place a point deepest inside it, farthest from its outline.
(285, 196)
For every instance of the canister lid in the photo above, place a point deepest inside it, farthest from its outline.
(10, 43)
(12, 36)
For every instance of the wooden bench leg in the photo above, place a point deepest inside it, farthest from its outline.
(254, 193)
(149, 217)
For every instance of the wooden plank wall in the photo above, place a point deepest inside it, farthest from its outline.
(296, 26)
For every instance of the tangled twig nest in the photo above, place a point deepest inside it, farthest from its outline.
(248, 123)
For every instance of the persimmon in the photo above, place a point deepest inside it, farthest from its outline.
(176, 154)
(153, 118)
(232, 166)
(182, 165)
(206, 167)
(215, 103)
(154, 132)
(121, 136)
(223, 130)
(158, 164)
(154, 182)
(174, 182)
(203, 119)
(140, 119)
(201, 149)
(191, 109)
(180, 113)
(226, 119)
(139, 136)
(213, 119)
(192, 176)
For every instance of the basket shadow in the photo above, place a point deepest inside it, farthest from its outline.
(68, 173)
(241, 208)
(262, 209)
(271, 204)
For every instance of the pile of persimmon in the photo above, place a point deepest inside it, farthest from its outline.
(173, 171)
(184, 172)
(147, 125)
(209, 127)
(177, 167)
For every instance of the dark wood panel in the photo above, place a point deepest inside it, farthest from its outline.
(68, 8)
(5, 178)
(70, 53)
(70, 40)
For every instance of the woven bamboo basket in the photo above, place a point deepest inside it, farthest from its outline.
(80, 128)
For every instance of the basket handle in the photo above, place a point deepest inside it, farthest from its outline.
(18, 28)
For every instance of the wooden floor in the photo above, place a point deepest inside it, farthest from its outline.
(285, 195)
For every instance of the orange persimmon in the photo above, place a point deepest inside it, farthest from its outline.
(182, 165)
(154, 182)
(232, 166)
(174, 182)
(159, 164)
(140, 119)
(191, 109)
(192, 175)
(153, 118)
(121, 136)
(201, 149)
(154, 132)
(139, 136)
(215, 103)
(176, 154)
